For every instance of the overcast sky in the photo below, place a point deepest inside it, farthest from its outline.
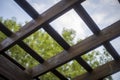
(103, 12)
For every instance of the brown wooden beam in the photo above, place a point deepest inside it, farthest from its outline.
(79, 49)
(56, 36)
(84, 64)
(13, 61)
(86, 18)
(28, 8)
(111, 50)
(11, 71)
(101, 71)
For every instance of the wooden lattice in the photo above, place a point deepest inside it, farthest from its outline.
(11, 70)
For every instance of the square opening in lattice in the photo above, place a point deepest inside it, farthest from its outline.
(2, 36)
(21, 56)
(71, 69)
(104, 13)
(43, 44)
(116, 44)
(41, 6)
(97, 57)
(71, 22)
(48, 76)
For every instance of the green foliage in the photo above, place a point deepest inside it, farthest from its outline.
(46, 47)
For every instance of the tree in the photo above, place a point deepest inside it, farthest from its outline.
(46, 47)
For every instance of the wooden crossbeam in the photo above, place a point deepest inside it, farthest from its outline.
(95, 29)
(56, 36)
(101, 72)
(111, 50)
(11, 71)
(81, 48)
(16, 63)
(86, 18)
(84, 64)
(28, 8)
(3, 77)
(13, 61)
(119, 1)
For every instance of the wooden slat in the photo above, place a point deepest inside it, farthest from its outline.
(119, 1)
(16, 63)
(101, 71)
(3, 77)
(94, 28)
(24, 46)
(11, 71)
(34, 25)
(86, 18)
(111, 50)
(28, 8)
(85, 65)
(79, 49)
(58, 74)
(56, 36)
(13, 61)
(31, 52)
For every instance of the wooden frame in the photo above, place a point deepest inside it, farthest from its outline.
(100, 37)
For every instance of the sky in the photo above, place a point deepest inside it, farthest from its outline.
(103, 12)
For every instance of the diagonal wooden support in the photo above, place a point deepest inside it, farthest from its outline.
(56, 36)
(111, 50)
(81, 48)
(86, 18)
(101, 72)
(84, 64)
(28, 8)
(11, 71)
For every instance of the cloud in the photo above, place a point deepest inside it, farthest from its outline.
(39, 7)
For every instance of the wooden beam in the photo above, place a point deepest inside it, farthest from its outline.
(84, 64)
(28, 8)
(81, 48)
(13, 61)
(101, 71)
(119, 1)
(56, 36)
(3, 77)
(86, 18)
(34, 25)
(11, 71)
(16, 63)
(111, 50)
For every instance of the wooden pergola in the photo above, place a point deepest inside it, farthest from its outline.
(12, 70)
